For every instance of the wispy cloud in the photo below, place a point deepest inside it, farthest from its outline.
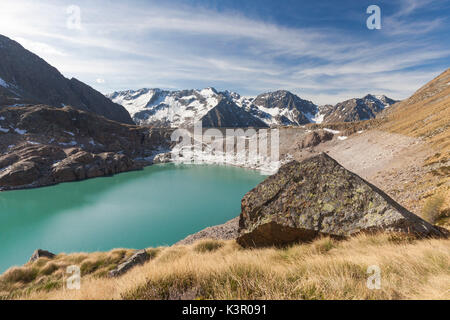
(401, 23)
(180, 47)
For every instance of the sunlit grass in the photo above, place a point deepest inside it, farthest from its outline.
(323, 269)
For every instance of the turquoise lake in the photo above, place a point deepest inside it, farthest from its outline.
(159, 205)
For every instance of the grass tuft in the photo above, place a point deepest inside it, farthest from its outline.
(208, 246)
(432, 208)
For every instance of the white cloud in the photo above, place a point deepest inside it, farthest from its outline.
(184, 48)
(39, 48)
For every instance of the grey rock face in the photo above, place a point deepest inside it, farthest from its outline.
(31, 80)
(138, 258)
(320, 197)
(42, 145)
(228, 114)
(39, 253)
(225, 231)
(297, 110)
(356, 109)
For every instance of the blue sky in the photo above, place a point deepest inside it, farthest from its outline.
(320, 50)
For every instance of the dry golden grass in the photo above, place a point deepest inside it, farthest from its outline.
(323, 269)
(431, 211)
(426, 115)
(47, 275)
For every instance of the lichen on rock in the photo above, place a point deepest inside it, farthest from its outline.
(320, 197)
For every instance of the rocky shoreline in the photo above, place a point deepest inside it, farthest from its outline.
(42, 145)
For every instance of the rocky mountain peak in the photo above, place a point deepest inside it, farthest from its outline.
(281, 107)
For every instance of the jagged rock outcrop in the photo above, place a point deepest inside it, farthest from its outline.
(25, 78)
(162, 158)
(320, 197)
(356, 109)
(138, 258)
(82, 165)
(39, 253)
(316, 137)
(286, 108)
(225, 231)
(42, 145)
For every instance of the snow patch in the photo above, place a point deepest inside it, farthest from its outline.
(318, 117)
(4, 130)
(332, 131)
(56, 163)
(3, 83)
(342, 137)
(68, 144)
(20, 131)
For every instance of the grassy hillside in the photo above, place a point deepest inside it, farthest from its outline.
(323, 269)
(426, 115)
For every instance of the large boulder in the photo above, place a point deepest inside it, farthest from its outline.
(139, 257)
(320, 197)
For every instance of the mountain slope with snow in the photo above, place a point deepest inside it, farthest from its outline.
(25, 79)
(165, 108)
(229, 114)
(283, 108)
(182, 108)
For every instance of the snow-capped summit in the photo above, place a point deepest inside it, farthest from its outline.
(283, 108)
(177, 108)
(278, 108)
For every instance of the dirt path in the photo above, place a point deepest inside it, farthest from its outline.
(392, 162)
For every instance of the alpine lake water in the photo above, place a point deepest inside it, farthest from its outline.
(156, 206)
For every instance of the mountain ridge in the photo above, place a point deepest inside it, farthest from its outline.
(159, 107)
(25, 78)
